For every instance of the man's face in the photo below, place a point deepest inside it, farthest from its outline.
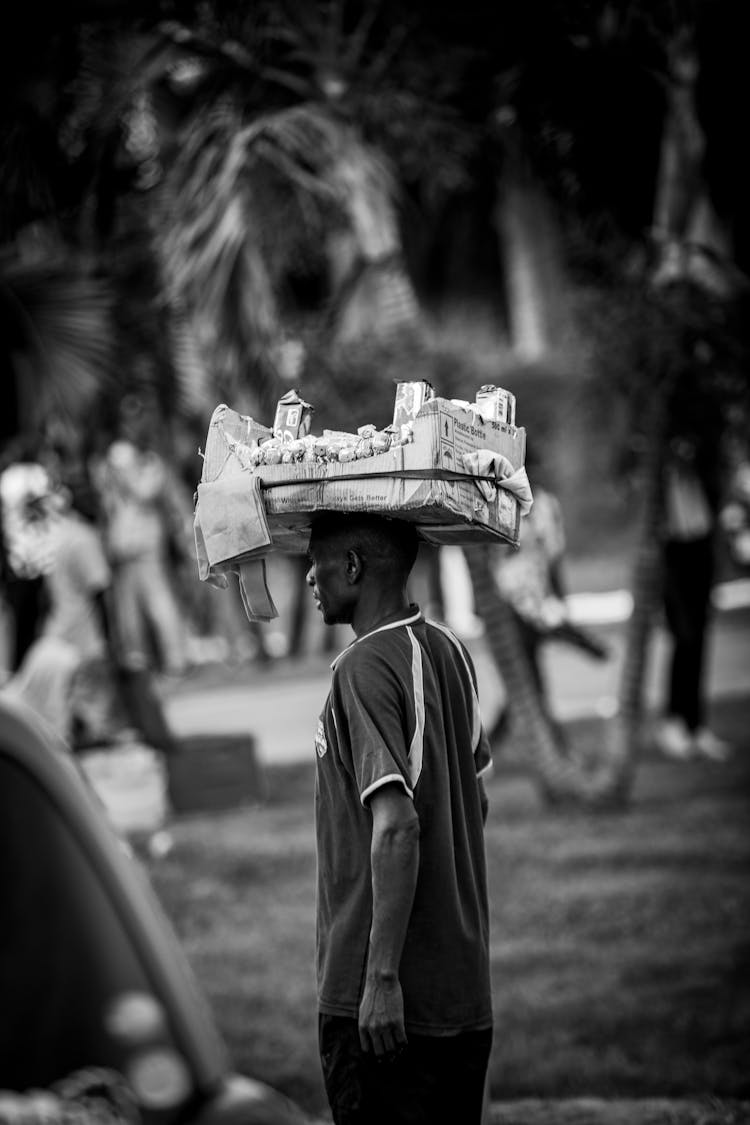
(328, 578)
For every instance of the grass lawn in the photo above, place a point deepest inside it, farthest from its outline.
(620, 948)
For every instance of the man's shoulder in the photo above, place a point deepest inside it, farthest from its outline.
(442, 637)
(371, 654)
(367, 652)
(441, 633)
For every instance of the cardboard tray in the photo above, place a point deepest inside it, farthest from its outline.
(419, 482)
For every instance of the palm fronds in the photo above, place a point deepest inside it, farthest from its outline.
(194, 394)
(244, 202)
(62, 353)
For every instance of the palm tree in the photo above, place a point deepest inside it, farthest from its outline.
(690, 291)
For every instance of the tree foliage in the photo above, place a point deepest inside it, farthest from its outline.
(231, 133)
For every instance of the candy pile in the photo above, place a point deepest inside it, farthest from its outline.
(290, 441)
(331, 445)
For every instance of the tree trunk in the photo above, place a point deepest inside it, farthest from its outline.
(531, 257)
(564, 776)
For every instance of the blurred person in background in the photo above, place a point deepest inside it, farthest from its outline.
(147, 521)
(691, 505)
(23, 553)
(63, 674)
(72, 674)
(531, 578)
(734, 515)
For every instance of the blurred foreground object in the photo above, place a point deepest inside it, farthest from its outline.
(91, 973)
(87, 1097)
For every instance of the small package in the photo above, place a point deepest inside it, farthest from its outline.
(495, 404)
(410, 398)
(293, 417)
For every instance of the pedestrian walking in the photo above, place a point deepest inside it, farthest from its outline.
(405, 1011)
(691, 501)
(136, 493)
(532, 580)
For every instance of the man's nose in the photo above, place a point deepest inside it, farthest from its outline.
(310, 576)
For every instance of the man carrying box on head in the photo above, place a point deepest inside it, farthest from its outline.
(405, 1012)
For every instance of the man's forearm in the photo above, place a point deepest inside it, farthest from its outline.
(394, 857)
(394, 862)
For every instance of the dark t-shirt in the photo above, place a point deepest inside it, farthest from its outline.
(403, 709)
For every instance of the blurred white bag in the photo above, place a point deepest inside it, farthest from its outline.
(131, 782)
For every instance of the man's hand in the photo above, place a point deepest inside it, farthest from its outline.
(381, 1017)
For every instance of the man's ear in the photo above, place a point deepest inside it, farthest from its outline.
(354, 566)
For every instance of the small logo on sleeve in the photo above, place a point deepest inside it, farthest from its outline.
(320, 739)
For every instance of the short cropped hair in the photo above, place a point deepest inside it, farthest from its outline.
(382, 542)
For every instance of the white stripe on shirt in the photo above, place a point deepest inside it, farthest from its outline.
(416, 750)
(387, 780)
(476, 713)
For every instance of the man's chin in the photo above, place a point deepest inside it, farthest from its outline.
(321, 609)
(330, 617)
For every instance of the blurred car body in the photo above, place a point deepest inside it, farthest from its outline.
(91, 973)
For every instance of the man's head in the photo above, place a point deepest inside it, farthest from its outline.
(359, 560)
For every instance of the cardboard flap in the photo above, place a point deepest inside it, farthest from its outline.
(230, 521)
(256, 597)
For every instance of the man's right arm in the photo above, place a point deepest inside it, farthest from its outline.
(394, 859)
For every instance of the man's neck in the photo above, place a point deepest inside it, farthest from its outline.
(369, 616)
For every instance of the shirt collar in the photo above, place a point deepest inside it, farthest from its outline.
(412, 616)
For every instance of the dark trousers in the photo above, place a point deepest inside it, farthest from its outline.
(436, 1080)
(688, 575)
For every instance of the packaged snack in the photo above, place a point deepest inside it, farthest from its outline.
(293, 416)
(381, 442)
(410, 398)
(308, 448)
(495, 404)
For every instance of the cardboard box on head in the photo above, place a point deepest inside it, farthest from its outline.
(459, 477)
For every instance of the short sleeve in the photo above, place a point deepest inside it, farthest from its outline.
(369, 715)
